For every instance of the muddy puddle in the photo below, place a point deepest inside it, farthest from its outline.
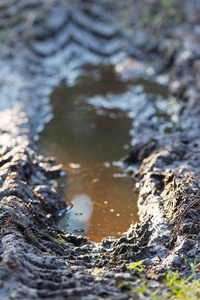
(89, 138)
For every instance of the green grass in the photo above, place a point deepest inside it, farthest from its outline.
(136, 266)
(173, 287)
(61, 240)
(162, 12)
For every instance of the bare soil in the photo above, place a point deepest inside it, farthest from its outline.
(37, 260)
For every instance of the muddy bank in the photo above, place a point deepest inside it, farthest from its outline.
(39, 261)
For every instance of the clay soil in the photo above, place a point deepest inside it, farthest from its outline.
(37, 260)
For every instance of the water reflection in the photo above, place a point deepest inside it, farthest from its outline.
(79, 216)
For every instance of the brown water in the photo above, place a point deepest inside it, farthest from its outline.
(88, 141)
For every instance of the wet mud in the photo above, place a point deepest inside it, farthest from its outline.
(38, 261)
